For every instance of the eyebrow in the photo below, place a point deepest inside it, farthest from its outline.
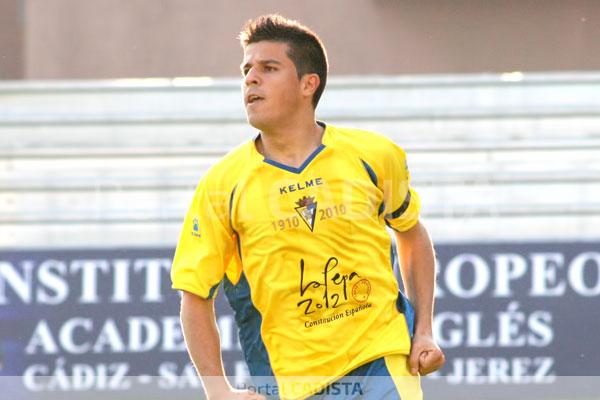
(263, 62)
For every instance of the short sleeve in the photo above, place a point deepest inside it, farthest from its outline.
(401, 201)
(206, 243)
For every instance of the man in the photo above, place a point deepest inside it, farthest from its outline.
(292, 224)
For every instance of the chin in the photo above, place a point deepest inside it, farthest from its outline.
(256, 122)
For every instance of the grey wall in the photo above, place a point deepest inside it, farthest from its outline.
(11, 39)
(66, 39)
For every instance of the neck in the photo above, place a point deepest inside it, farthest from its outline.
(290, 145)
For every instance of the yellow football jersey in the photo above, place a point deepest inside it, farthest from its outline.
(303, 254)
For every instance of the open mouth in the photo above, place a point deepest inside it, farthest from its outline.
(253, 98)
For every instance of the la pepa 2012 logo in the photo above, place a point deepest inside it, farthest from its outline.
(327, 288)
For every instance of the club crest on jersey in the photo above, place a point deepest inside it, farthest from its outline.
(307, 209)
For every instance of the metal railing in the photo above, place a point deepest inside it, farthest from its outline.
(109, 163)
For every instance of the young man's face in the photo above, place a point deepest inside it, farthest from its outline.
(271, 88)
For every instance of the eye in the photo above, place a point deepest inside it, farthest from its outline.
(268, 68)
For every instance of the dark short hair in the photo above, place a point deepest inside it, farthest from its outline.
(305, 49)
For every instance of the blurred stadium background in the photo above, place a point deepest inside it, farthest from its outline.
(111, 111)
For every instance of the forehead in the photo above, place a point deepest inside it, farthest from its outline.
(266, 50)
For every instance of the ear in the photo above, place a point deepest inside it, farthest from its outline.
(309, 84)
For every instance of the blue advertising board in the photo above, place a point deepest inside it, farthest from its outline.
(105, 321)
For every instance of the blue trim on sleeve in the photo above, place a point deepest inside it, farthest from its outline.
(402, 208)
(231, 206)
(237, 235)
(405, 307)
(381, 208)
(373, 178)
(249, 322)
(212, 291)
(300, 168)
(239, 244)
(370, 171)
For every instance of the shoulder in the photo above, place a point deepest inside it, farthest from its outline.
(217, 185)
(226, 172)
(372, 147)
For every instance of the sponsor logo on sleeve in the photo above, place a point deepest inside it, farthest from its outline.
(196, 228)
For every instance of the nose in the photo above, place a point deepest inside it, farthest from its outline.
(251, 77)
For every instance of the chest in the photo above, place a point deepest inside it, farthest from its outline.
(330, 195)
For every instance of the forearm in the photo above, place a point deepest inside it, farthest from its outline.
(417, 264)
(203, 343)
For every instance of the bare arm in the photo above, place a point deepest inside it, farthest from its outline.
(417, 264)
(203, 344)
